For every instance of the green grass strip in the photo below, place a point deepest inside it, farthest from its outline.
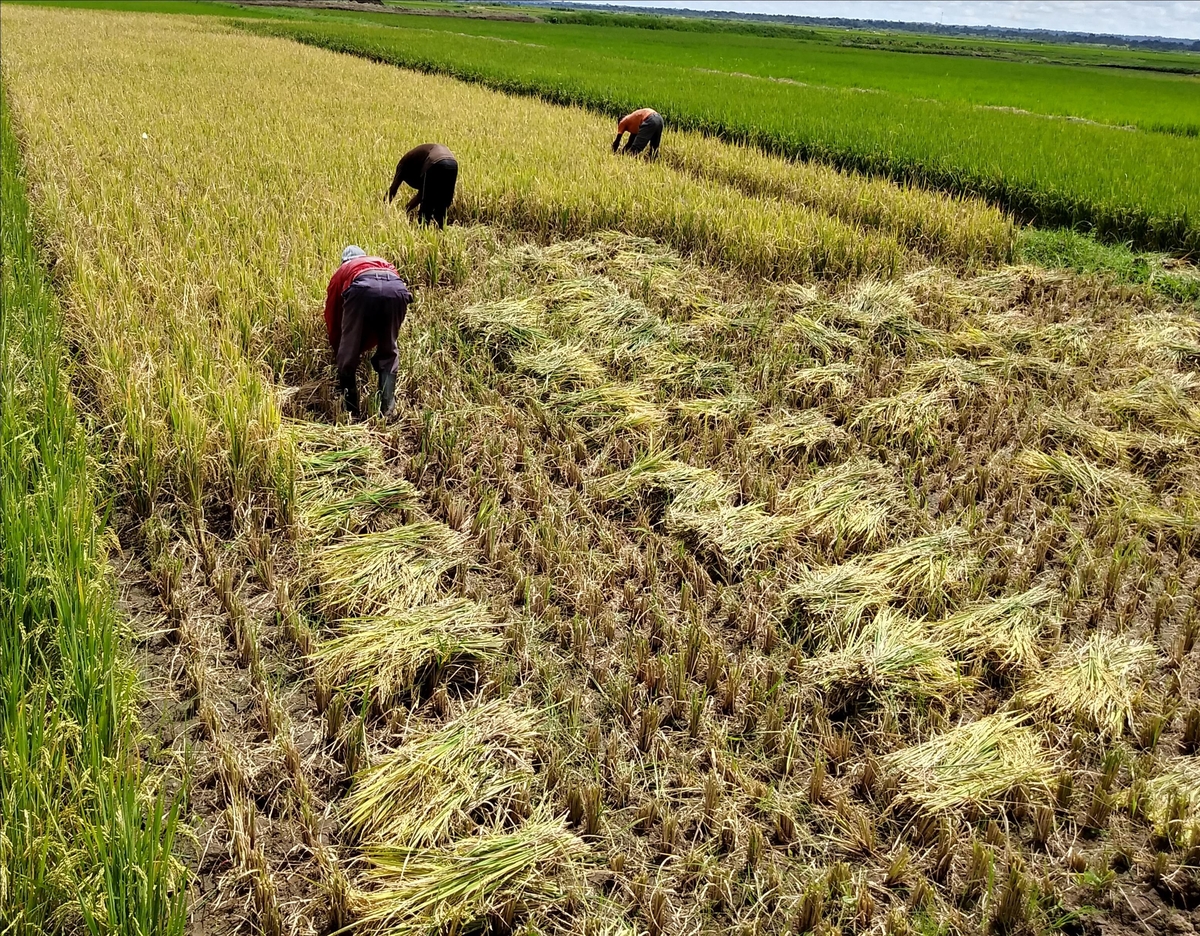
(86, 828)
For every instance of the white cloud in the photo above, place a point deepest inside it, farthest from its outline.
(1179, 19)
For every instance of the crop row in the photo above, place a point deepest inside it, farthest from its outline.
(1121, 184)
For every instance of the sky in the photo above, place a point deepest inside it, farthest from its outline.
(1179, 19)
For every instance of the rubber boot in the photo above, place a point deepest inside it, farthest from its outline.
(387, 394)
(348, 384)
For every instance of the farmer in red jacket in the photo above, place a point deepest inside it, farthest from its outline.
(364, 308)
(645, 127)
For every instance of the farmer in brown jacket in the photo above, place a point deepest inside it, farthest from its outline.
(433, 171)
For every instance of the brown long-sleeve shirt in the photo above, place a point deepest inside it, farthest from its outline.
(413, 164)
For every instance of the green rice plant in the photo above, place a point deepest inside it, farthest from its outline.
(1093, 482)
(1011, 630)
(386, 571)
(973, 764)
(857, 503)
(893, 655)
(419, 890)
(430, 790)
(385, 655)
(561, 364)
(803, 431)
(1098, 681)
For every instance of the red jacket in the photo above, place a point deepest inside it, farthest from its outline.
(342, 278)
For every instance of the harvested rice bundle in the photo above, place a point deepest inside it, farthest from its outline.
(326, 510)
(973, 764)
(1162, 400)
(892, 655)
(1071, 472)
(804, 432)
(609, 407)
(913, 415)
(386, 655)
(1010, 630)
(560, 363)
(856, 503)
(422, 890)
(431, 789)
(736, 537)
(1099, 681)
(387, 571)
(505, 325)
(1173, 801)
(659, 477)
(835, 380)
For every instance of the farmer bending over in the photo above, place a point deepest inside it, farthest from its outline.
(364, 307)
(644, 127)
(432, 170)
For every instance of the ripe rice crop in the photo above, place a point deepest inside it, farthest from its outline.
(1121, 183)
(655, 608)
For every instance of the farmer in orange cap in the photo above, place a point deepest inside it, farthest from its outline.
(645, 127)
(364, 307)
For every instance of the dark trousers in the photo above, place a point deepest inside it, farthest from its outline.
(373, 308)
(649, 134)
(437, 191)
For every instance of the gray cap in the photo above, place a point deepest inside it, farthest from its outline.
(351, 252)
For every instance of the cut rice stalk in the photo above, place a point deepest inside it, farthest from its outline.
(973, 764)
(325, 510)
(560, 363)
(806, 431)
(387, 571)
(856, 503)
(1072, 472)
(432, 788)
(913, 414)
(422, 890)
(386, 655)
(894, 654)
(1099, 680)
(737, 537)
(1010, 630)
(610, 407)
(507, 324)
(1173, 801)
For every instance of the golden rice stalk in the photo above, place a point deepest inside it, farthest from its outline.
(734, 408)
(387, 571)
(421, 890)
(1178, 342)
(856, 502)
(804, 431)
(883, 313)
(610, 407)
(1172, 799)
(913, 414)
(660, 476)
(386, 655)
(1161, 399)
(560, 363)
(325, 510)
(1073, 472)
(324, 450)
(927, 567)
(835, 379)
(804, 332)
(1098, 680)
(431, 789)
(505, 324)
(685, 373)
(893, 655)
(1098, 441)
(1011, 630)
(738, 537)
(953, 372)
(832, 601)
(972, 764)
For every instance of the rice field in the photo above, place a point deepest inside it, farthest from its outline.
(761, 553)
